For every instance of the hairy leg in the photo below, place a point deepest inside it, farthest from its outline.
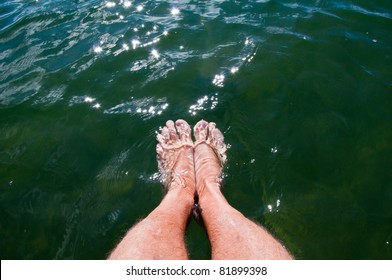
(231, 234)
(161, 234)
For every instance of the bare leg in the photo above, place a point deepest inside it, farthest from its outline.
(161, 234)
(232, 236)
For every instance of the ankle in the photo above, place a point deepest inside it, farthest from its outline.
(182, 183)
(209, 192)
(181, 195)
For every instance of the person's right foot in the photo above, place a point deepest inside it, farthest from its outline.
(175, 156)
(209, 156)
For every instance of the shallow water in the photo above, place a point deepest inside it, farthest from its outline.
(301, 90)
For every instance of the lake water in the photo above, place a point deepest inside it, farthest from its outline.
(301, 89)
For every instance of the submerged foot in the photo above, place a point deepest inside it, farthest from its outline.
(175, 156)
(209, 156)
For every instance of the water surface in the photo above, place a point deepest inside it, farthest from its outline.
(301, 90)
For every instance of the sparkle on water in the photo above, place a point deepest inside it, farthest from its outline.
(301, 91)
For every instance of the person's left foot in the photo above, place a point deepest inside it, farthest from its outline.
(175, 156)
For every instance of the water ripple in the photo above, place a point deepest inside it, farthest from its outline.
(52, 36)
(362, 10)
(145, 107)
(309, 81)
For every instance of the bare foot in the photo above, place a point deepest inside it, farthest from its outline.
(209, 156)
(175, 156)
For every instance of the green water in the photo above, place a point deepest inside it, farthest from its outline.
(301, 89)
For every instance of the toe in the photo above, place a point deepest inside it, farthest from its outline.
(172, 130)
(218, 140)
(184, 131)
(200, 130)
(216, 136)
(211, 129)
(163, 137)
(160, 151)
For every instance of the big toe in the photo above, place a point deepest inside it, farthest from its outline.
(184, 131)
(200, 131)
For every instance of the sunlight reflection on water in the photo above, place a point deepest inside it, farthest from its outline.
(85, 84)
(146, 107)
(151, 36)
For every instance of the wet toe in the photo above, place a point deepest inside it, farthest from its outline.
(201, 130)
(213, 137)
(184, 131)
(211, 129)
(217, 139)
(163, 137)
(172, 131)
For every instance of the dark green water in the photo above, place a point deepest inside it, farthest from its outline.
(301, 89)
